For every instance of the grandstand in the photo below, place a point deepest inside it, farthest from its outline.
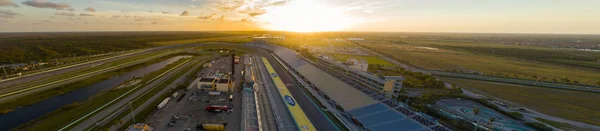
(366, 106)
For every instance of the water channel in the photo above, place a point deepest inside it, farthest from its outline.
(24, 114)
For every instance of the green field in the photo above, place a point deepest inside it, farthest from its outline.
(572, 105)
(447, 59)
(300, 41)
(61, 117)
(372, 60)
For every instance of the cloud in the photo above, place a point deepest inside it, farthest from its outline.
(206, 17)
(65, 14)
(253, 14)
(84, 14)
(245, 20)
(8, 14)
(90, 9)
(257, 8)
(229, 6)
(276, 3)
(7, 3)
(221, 19)
(185, 13)
(45, 4)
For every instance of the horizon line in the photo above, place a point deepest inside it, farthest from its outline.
(441, 32)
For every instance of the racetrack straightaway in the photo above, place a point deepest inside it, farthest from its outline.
(319, 120)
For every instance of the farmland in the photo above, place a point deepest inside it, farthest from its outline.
(372, 60)
(461, 57)
(572, 105)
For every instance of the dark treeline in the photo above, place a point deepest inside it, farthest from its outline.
(27, 47)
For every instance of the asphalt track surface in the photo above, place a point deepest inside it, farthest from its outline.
(319, 120)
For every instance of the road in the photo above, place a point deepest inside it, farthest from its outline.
(61, 70)
(97, 115)
(17, 91)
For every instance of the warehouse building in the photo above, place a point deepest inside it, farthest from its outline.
(215, 84)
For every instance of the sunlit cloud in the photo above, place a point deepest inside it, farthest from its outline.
(206, 17)
(8, 14)
(65, 14)
(185, 13)
(90, 9)
(85, 14)
(7, 3)
(46, 4)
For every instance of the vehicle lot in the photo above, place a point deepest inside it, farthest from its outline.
(190, 111)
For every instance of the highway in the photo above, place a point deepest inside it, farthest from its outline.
(52, 72)
(40, 84)
(121, 101)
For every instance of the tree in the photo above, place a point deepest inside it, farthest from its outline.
(492, 119)
(475, 113)
(544, 79)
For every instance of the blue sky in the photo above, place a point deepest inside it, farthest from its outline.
(496, 16)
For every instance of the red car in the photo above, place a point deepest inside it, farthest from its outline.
(217, 108)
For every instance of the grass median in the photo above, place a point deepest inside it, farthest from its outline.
(8, 106)
(142, 99)
(66, 114)
(31, 85)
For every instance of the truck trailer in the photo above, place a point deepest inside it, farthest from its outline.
(163, 103)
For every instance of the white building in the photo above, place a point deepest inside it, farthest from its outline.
(361, 64)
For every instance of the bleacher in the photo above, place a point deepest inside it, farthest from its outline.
(379, 117)
(374, 117)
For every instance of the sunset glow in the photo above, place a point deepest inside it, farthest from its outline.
(306, 16)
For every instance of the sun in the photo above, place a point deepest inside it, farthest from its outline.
(305, 16)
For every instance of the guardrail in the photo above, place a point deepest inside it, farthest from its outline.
(304, 84)
(272, 104)
(298, 115)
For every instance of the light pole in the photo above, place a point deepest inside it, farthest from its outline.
(5, 74)
(132, 113)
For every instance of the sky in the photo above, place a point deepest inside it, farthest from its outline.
(475, 16)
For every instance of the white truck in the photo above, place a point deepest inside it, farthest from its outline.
(164, 102)
(174, 95)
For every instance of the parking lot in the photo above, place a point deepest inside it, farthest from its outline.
(190, 111)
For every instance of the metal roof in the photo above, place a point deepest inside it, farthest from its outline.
(379, 117)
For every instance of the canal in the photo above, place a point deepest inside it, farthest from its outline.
(24, 114)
